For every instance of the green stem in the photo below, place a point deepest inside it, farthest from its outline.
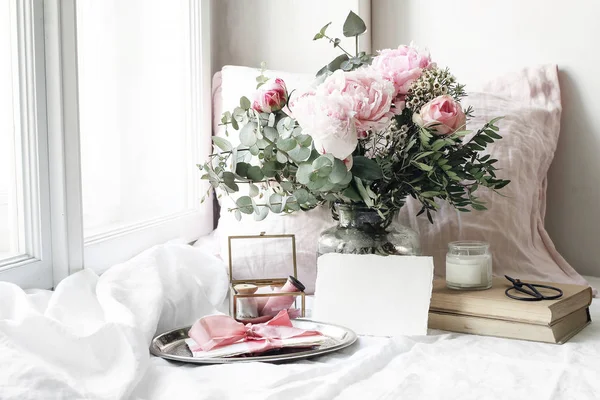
(340, 47)
(356, 44)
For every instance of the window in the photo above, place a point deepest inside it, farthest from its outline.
(101, 108)
(9, 137)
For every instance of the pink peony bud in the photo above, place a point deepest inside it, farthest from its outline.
(270, 97)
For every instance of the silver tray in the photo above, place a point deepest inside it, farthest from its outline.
(171, 345)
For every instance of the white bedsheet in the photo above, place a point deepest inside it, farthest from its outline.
(89, 340)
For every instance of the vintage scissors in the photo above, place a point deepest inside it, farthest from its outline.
(529, 289)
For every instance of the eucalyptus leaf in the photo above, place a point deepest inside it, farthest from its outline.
(253, 190)
(245, 204)
(261, 214)
(255, 173)
(248, 135)
(245, 103)
(275, 203)
(281, 157)
(338, 172)
(254, 150)
(286, 144)
(354, 25)
(303, 173)
(222, 143)
(337, 62)
(299, 154)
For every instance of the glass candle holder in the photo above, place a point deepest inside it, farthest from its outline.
(468, 265)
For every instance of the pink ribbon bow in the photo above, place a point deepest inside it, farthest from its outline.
(215, 331)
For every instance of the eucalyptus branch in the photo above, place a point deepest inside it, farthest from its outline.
(337, 45)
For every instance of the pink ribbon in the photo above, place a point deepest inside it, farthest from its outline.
(215, 331)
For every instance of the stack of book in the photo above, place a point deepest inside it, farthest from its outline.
(491, 313)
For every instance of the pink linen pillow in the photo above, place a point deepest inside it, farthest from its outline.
(514, 223)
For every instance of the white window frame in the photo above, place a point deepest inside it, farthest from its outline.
(34, 267)
(52, 174)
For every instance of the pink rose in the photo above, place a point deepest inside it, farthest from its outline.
(329, 120)
(443, 114)
(401, 66)
(270, 97)
(368, 96)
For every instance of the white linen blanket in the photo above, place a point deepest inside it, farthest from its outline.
(89, 340)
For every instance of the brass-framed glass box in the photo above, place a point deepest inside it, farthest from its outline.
(262, 286)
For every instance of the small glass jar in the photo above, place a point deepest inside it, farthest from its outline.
(468, 265)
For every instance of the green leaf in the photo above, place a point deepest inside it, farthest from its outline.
(286, 144)
(493, 134)
(321, 33)
(242, 169)
(261, 214)
(478, 207)
(338, 172)
(245, 103)
(229, 181)
(365, 168)
(253, 190)
(363, 192)
(247, 135)
(275, 203)
(281, 157)
(347, 65)
(301, 196)
(303, 173)
(352, 194)
(255, 174)
(336, 42)
(422, 167)
(270, 169)
(238, 215)
(423, 155)
(270, 133)
(438, 144)
(235, 124)
(254, 150)
(221, 143)
(354, 25)
(299, 154)
(245, 204)
(337, 62)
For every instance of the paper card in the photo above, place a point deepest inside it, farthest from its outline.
(374, 295)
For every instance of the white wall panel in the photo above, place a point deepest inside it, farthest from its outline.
(280, 32)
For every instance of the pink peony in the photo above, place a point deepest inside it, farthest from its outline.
(270, 97)
(401, 66)
(443, 114)
(368, 95)
(329, 120)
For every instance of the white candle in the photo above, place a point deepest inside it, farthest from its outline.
(465, 270)
(469, 270)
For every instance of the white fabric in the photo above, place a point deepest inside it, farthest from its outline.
(89, 340)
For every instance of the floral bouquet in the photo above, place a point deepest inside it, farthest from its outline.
(372, 130)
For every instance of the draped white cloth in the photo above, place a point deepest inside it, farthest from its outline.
(89, 340)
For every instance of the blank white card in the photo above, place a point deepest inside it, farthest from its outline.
(374, 295)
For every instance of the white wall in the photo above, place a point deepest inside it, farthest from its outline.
(280, 32)
(476, 39)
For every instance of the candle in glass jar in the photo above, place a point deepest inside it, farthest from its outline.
(468, 265)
